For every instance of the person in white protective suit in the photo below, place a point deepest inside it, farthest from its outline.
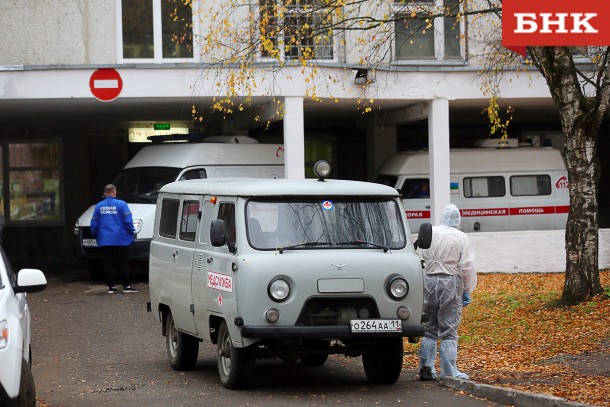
(450, 277)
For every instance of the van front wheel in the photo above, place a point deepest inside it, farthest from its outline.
(182, 349)
(235, 365)
(383, 364)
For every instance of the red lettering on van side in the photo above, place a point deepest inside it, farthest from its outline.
(467, 213)
(533, 210)
(220, 281)
(418, 214)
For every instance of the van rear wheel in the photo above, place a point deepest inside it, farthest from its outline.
(182, 349)
(235, 365)
(383, 364)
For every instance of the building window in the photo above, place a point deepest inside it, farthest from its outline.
(295, 29)
(31, 182)
(418, 36)
(156, 30)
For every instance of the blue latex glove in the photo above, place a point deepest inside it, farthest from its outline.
(466, 298)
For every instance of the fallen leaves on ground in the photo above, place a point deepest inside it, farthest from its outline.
(517, 334)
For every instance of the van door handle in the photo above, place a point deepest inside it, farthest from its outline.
(427, 206)
(209, 260)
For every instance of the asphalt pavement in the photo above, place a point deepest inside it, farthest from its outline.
(94, 348)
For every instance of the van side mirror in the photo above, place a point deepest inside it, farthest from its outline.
(218, 233)
(424, 237)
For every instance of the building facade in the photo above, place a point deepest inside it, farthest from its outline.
(60, 144)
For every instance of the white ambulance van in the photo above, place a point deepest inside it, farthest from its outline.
(295, 269)
(496, 189)
(159, 164)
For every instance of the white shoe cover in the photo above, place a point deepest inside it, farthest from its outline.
(449, 360)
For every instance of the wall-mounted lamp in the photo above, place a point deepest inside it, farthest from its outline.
(361, 76)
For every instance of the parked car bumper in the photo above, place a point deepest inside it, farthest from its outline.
(10, 360)
(7, 401)
(139, 250)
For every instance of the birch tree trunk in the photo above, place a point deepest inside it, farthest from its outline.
(581, 119)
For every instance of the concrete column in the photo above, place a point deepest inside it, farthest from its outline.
(294, 137)
(438, 141)
(380, 144)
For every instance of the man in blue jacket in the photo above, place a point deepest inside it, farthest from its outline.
(112, 226)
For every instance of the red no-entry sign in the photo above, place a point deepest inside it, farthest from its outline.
(106, 84)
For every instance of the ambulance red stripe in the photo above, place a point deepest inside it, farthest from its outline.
(526, 210)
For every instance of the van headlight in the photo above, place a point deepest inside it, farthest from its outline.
(278, 289)
(76, 228)
(137, 224)
(397, 287)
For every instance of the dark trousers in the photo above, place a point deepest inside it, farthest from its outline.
(116, 261)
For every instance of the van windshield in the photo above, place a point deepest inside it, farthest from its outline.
(325, 223)
(142, 184)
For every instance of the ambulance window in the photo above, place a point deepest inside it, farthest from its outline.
(530, 185)
(416, 188)
(169, 217)
(188, 223)
(198, 173)
(484, 187)
(226, 212)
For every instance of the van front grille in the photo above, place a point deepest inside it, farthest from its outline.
(336, 311)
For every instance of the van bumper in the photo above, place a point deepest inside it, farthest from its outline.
(324, 332)
(139, 250)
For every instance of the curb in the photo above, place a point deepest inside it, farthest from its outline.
(508, 396)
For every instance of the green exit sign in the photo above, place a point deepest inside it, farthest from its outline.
(161, 126)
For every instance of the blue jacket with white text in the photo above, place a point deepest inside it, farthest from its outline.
(112, 223)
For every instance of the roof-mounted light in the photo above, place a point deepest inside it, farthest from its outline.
(321, 169)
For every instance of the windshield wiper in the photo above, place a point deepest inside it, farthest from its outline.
(304, 244)
(364, 242)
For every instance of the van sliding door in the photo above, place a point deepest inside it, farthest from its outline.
(485, 203)
(532, 205)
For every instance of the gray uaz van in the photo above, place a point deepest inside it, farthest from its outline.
(285, 268)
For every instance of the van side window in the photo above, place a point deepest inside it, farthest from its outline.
(226, 212)
(484, 187)
(169, 217)
(188, 223)
(198, 173)
(528, 185)
(416, 188)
